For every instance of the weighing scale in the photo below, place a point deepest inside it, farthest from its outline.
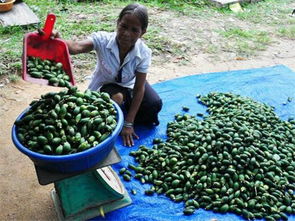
(87, 194)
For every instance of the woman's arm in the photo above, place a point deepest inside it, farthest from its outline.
(138, 92)
(77, 47)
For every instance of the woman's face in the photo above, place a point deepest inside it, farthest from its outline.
(128, 31)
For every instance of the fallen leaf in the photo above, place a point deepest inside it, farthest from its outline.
(236, 7)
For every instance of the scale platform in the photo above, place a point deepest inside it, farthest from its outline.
(89, 195)
(86, 194)
(46, 177)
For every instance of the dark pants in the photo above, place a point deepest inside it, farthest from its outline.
(150, 106)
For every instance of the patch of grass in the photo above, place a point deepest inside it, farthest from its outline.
(182, 6)
(74, 21)
(10, 48)
(270, 12)
(10, 61)
(10, 30)
(251, 35)
(81, 20)
(16, 65)
(13, 78)
(236, 32)
(84, 61)
(158, 43)
(77, 20)
(246, 42)
(211, 49)
(287, 32)
(244, 49)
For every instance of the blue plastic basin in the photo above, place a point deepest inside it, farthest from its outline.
(76, 162)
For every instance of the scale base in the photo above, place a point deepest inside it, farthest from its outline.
(93, 212)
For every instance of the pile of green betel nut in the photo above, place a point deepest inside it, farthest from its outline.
(240, 158)
(50, 70)
(67, 122)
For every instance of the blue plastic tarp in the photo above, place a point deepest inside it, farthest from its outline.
(271, 85)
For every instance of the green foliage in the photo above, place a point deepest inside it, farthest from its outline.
(268, 12)
(246, 42)
(244, 33)
(154, 40)
(14, 78)
(236, 32)
(287, 32)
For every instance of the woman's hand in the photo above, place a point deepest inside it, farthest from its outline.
(53, 35)
(127, 134)
(138, 92)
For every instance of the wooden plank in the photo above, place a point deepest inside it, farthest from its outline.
(20, 14)
(223, 3)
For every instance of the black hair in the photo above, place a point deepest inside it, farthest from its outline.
(139, 11)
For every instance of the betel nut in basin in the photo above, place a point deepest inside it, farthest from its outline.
(76, 162)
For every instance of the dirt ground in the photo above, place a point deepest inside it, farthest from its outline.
(21, 196)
